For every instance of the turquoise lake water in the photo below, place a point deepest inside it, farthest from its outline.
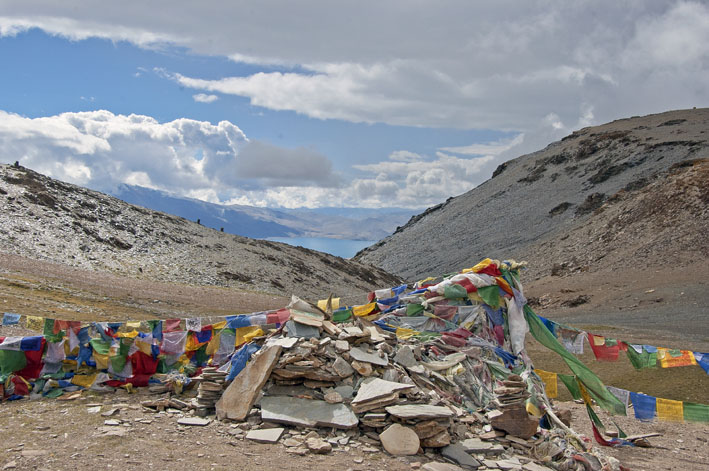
(344, 248)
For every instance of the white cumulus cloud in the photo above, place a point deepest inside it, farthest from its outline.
(204, 98)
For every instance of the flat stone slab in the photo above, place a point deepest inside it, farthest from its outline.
(285, 342)
(360, 355)
(405, 357)
(532, 466)
(457, 453)
(197, 421)
(298, 330)
(268, 435)
(419, 411)
(399, 440)
(306, 412)
(375, 388)
(239, 397)
(438, 466)
(475, 446)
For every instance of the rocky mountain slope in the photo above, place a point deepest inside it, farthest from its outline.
(48, 220)
(632, 192)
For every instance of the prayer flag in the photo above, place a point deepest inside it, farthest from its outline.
(644, 406)
(8, 318)
(670, 410)
(550, 383)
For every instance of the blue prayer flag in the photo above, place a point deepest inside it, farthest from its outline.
(645, 407)
(10, 318)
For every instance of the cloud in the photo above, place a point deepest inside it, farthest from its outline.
(204, 98)
(490, 67)
(101, 150)
(493, 148)
(276, 166)
(419, 180)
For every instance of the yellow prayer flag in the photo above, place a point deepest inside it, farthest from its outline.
(135, 325)
(127, 335)
(145, 347)
(242, 332)
(219, 325)
(361, 311)
(35, 323)
(404, 333)
(666, 359)
(84, 380)
(667, 409)
(475, 297)
(584, 394)
(479, 267)
(598, 341)
(256, 333)
(213, 345)
(550, 382)
(101, 361)
(532, 409)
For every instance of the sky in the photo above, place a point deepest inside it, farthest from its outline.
(328, 104)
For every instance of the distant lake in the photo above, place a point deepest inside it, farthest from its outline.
(344, 248)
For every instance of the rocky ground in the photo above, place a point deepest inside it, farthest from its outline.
(58, 435)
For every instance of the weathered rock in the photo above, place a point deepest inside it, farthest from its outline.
(405, 357)
(364, 369)
(477, 446)
(376, 388)
(333, 397)
(515, 421)
(429, 428)
(345, 391)
(509, 464)
(438, 466)
(399, 440)
(268, 435)
(342, 346)
(438, 440)
(342, 368)
(292, 442)
(298, 330)
(456, 452)
(419, 411)
(306, 412)
(360, 355)
(196, 421)
(239, 397)
(318, 446)
(532, 466)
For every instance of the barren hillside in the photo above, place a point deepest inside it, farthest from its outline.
(64, 225)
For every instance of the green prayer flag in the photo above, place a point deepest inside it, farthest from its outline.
(118, 361)
(11, 361)
(590, 381)
(342, 315)
(572, 385)
(454, 291)
(54, 393)
(413, 309)
(695, 412)
(491, 295)
(641, 360)
(100, 346)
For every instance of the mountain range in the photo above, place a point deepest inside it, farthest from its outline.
(261, 223)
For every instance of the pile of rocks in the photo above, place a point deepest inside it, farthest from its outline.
(315, 387)
(209, 390)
